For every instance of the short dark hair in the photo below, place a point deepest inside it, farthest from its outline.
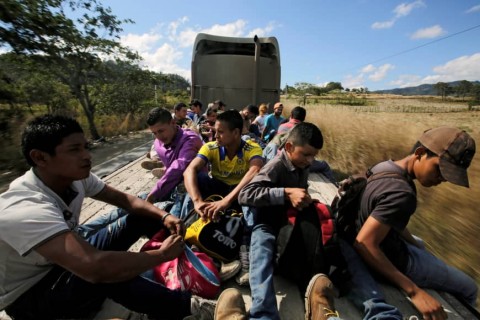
(252, 109)
(157, 114)
(179, 106)
(232, 118)
(298, 113)
(306, 133)
(45, 133)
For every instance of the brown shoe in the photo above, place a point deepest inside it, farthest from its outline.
(151, 164)
(158, 172)
(319, 299)
(230, 306)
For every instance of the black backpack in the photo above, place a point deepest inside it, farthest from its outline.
(346, 203)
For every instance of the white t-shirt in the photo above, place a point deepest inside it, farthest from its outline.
(260, 121)
(30, 214)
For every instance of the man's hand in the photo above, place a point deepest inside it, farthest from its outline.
(212, 209)
(299, 197)
(430, 308)
(175, 225)
(172, 247)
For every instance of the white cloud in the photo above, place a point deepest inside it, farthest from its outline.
(428, 33)
(383, 25)
(167, 47)
(173, 26)
(140, 42)
(381, 72)
(233, 29)
(404, 9)
(263, 32)
(473, 9)
(368, 69)
(406, 80)
(461, 68)
(352, 82)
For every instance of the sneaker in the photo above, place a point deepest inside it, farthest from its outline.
(158, 172)
(243, 278)
(229, 270)
(230, 306)
(151, 164)
(201, 309)
(319, 299)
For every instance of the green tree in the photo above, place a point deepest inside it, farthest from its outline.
(71, 48)
(442, 89)
(463, 89)
(334, 86)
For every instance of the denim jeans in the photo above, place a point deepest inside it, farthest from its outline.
(428, 271)
(262, 254)
(60, 294)
(365, 293)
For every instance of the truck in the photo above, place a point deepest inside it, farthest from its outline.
(239, 71)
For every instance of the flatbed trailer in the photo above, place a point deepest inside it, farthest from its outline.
(133, 179)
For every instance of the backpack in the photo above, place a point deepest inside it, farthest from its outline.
(346, 203)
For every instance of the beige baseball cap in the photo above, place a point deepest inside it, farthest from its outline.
(455, 148)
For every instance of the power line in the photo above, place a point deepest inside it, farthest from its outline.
(424, 45)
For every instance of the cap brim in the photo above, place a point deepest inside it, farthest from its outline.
(453, 173)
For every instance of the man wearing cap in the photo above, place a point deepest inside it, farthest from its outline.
(195, 112)
(383, 240)
(272, 122)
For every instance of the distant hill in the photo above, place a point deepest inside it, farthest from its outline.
(421, 90)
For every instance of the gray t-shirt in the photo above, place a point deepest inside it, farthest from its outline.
(391, 201)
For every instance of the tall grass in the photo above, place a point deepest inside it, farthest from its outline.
(447, 215)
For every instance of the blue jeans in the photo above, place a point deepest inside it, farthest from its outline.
(365, 293)
(428, 271)
(262, 254)
(60, 294)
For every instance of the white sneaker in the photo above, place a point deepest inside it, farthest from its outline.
(201, 309)
(243, 278)
(229, 270)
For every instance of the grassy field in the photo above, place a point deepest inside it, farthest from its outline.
(387, 128)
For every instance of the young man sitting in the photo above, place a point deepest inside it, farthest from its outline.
(383, 240)
(50, 271)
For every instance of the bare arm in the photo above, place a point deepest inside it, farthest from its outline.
(367, 245)
(73, 253)
(211, 210)
(136, 205)
(191, 182)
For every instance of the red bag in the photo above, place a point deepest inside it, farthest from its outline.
(191, 271)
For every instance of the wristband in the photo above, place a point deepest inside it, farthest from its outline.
(165, 216)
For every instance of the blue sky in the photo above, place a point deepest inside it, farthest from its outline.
(378, 44)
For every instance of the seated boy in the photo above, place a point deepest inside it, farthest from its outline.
(282, 183)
